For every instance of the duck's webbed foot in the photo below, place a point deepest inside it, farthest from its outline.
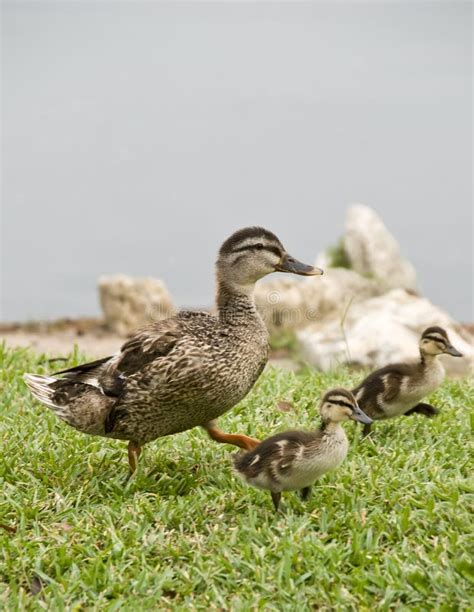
(422, 408)
(134, 451)
(305, 493)
(276, 500)
(239, 440)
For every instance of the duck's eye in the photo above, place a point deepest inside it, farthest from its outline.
(259, 246)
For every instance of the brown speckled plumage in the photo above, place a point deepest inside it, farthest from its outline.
(184, 371)
(204, 367)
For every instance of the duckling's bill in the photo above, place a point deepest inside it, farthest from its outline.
(359, 415)
(293, 266)
(450, 350)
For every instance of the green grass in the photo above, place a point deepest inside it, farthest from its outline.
(389, 529)
(283, 340)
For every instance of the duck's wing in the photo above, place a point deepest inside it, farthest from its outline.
(85, 396)
(170, 347)
(149, 344)
(84, 369)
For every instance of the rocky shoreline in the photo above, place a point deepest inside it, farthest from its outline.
(365, 311)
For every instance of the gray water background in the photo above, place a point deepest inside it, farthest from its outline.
(138, 135)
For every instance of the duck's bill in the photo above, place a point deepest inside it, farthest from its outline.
(450, 350)
(359, 415)
(293, 266)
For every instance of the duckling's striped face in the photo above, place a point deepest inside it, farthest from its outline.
(254, 252)
(340, 405)
(435, 341)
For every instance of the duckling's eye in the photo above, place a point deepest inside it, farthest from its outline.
(259, 246)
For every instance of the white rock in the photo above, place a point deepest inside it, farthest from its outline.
(337, 290)
(129, 303)
(282, 303)
(383, 330)
(372, 250)
(289, 303)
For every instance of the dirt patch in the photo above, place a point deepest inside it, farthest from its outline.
(59, 338)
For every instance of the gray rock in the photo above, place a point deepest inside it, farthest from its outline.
(373, 251)
(282, 304)
(130, 303)
(289, 304)
(337, 290)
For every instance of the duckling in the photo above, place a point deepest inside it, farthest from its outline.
(397, 389)
(181, 372)
(295, 459)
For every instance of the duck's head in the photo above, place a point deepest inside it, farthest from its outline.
(340, 405)
(252, 253)
(435, 341)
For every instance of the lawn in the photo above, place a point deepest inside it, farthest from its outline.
(392, 528)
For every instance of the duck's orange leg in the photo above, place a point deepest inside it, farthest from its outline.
(134, 451)
(239, 440)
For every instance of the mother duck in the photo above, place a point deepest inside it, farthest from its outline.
(181, 372)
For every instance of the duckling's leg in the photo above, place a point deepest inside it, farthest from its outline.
(236, 439)
(422, 408)
(134, 451)
(276, 499)
(305, 493)
(366, 430)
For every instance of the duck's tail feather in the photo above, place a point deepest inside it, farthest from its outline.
(82, 406)
(41, 389)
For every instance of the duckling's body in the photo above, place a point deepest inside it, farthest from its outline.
(293, 459)
(397, 389)
(181, 372)
(296, 459)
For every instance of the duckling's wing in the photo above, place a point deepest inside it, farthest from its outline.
(275, 454)
(392, 382)
(381, 386)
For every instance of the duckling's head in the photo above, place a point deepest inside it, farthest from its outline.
(435, 341)
(252, 253)
(340, 405)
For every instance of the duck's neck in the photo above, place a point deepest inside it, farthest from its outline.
(428, 361)
(235, 303)
(331, 427)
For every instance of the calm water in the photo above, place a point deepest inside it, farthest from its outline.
(136, 137)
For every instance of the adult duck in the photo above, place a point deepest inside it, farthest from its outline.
(181, 372)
